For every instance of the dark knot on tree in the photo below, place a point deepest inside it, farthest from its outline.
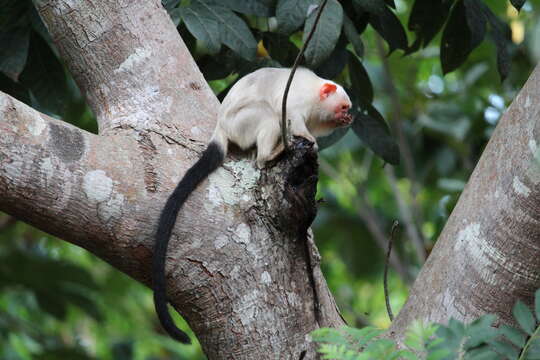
(293, 183)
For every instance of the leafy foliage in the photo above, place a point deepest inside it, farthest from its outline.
(224, 36)
(50, 308)
(466, 29)
(326, 34)
(477, 340)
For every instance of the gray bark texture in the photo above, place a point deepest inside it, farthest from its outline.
(242, 267)
(488, 254)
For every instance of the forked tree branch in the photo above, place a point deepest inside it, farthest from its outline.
(237, 266)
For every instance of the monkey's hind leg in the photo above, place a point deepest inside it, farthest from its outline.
(276, 152)
(266, 141)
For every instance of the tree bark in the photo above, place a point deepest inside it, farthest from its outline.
(488, 255)
(242, 267)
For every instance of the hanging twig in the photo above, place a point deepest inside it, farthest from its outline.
(367, 213)
(385, 280)
(293, 70)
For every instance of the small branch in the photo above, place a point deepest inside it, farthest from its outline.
(411, 223)
(385, 278)
(407, 216)
(293, 70)
(372, 222)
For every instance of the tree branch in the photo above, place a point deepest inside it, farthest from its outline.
(490, 244)
(123, 55)
(237, 267)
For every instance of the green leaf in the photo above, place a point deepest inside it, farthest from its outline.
(280, 48)
(38, 25)
(371, 6)
(326, 35)
(537, 304)
(329, 336)
(524, 317)
(79, 297)
(505, 349)
(464, 31)
(362, 336)
(336, 62)
(480, 331)
(439, 354)
(203, 26)
(515, 336)
(484, 353)
(387, 24)
(419, 334)
(352, 34)
(52, 303)
(381, 345)
(221, 24)
(326, 141)
(407, 355)
(457, 327)
(371, 128)
(533, 351)
(251, 7)
(14, 89)
(476, 21)
(176, 16)
(391, 3)
(501, 35)
(169, 4)
(426, 20)
(14, 14)
(45, 77)
(361, 84)
(291, 14)
(14, 51)
(517, 4)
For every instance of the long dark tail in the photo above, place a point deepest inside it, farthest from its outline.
(211, 159)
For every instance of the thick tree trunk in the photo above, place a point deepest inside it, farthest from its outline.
(488, 254)
(242, 267)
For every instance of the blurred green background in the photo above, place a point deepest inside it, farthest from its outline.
(59, 302)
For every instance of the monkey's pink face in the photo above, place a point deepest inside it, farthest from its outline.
(337, 104)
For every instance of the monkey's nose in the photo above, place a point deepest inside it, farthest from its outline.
(345, 107)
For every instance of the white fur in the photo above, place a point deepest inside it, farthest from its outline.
(251, 112)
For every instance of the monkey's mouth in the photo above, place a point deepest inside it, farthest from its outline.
(343, 118)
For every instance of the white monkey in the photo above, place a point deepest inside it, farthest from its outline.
(251, 112)
(250, 115)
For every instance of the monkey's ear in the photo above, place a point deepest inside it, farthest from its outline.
(326, 90)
